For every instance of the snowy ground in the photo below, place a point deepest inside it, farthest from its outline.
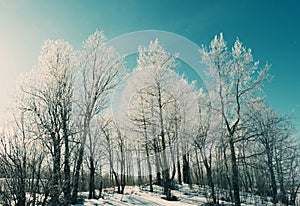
(138, 196)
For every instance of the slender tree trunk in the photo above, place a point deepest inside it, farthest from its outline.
(149, 167)
(123, 163)
(179, 175)
(117, 181)
(67, 173)
(55, 191)
(166, 169)
(123, 182)
(172, 152)
(235, 174)
(87, 119)
(248, 176)
(139, 167)
(186, 170)
(21, 194)
(272, 174)
(77, 172)
(46, 195)
(100, 189)
(157, 162)
(210, 180)
(294, 194)
(38, 179)
(92, 180)
(173, 161)
(227, 172)
(283, 196)
(199, 170)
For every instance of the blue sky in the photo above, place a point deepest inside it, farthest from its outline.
(269, 27)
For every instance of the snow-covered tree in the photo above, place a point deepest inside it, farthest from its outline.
(273, 133)
(101, 69)
(206, 138)
(236, 79)
(47, 95)
(157, 105)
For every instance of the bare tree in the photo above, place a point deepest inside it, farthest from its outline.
(94, 151)
(14, 167)
(47, 96)
(155, 60)
(116, 148)
(140, 115)
(21, 162)
(236, 79)
(101, 70)
(205, 139)
(273, 133)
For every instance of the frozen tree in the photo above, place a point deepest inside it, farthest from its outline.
(266, 124)
(144, 104)
(292, 179)
(95, 153)
(21, 161)
(116, 149)
(158, 62)
(236, 79)
(15, 158)
(273, 132)
(206, 139)
(101, 69)
(159, 106)
(286, 166)
(47, 96)
(181, 123)
(139, 113)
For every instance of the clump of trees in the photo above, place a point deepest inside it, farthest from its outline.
(62, 137)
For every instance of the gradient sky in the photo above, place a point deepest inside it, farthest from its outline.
(271, 28)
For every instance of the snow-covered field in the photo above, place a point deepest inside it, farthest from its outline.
(138, 196)
(141, 196)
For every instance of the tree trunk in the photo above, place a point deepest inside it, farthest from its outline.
(123, 177)
(55, 190)
(186, 169)
(179, 175)
(210, 180)
(235, 175)
(46, 195)
(123, 162)
(272, 176)
(294, 194)
(157, 162)
(77, 173)
(199, 172)
(67, 173)
(149, 167)
(117, 181)
(92, 180)
(227, 172)
(21, 195)
(147, 154)
(100, 189)
(173, 161)
(166, 169)
(139, 167)
(87, 119)
(283, 196)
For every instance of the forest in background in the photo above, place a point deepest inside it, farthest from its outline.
(63, 138)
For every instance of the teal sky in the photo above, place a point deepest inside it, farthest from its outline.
(271, 28)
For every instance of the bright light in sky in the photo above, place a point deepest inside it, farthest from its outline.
(270, 28)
